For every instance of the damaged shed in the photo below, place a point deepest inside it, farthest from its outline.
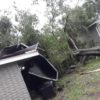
(22, 70)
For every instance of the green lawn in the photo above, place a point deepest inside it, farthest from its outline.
(79, 86)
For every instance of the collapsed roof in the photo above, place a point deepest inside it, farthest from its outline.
(38, 73)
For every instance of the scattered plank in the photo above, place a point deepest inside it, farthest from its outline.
(96, 70)
(95, 51)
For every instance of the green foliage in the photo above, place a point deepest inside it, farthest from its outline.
(76, 23)
(27, 23)
(57, 51)
(5, 25)
(5, 28)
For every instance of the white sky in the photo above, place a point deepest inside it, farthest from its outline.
(27, 4)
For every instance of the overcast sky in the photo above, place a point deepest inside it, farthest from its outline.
(27, 4)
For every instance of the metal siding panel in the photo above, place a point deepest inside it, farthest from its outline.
(12, 86)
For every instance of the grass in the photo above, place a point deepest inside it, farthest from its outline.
(81, 87)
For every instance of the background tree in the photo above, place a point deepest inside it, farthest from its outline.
(53, 39)
(27, 27)
(5, 29)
